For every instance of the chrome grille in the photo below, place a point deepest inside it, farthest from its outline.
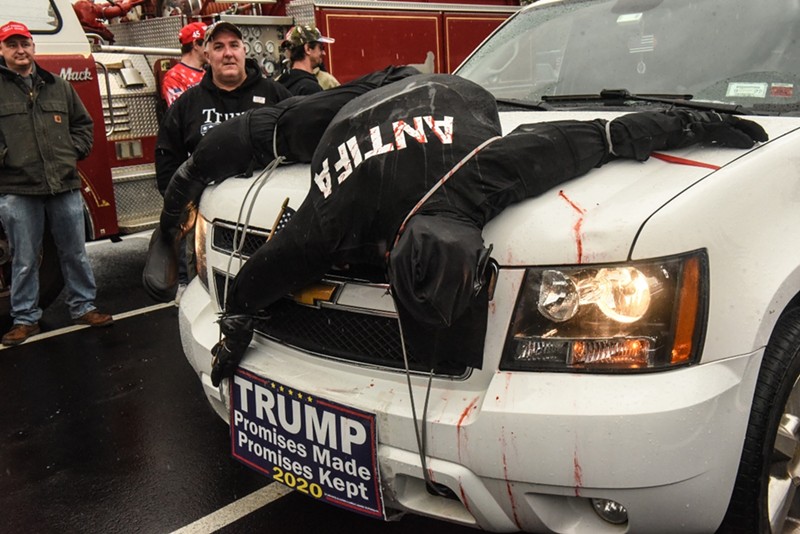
(340, 334)
(223, 236)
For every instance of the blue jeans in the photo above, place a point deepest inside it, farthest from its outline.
(23, 217)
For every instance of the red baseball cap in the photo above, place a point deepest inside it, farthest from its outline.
(192, 32)
(14, 28)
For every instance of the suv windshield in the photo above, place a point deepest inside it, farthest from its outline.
(737, 52)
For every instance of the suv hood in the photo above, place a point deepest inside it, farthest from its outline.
(596, 218)
(592, 219)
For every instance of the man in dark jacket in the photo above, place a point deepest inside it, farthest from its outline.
(44, 131)
(231, 86)
(306, 48)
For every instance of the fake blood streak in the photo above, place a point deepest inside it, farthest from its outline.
(511, 498)
(578, 473)
(683, 161)
(577, 227)
(464, 415)
(463, 496)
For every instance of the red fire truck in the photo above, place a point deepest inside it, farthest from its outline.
(371, 35)
(119, 81)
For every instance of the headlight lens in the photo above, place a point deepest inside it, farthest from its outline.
(636, 316)
(200, 234)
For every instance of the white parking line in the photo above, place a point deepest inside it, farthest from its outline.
(117, 317)
(236, 510)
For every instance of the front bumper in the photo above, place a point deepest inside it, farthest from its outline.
(527, 451)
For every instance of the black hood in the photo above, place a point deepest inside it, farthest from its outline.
(436, 268)
(437, 273)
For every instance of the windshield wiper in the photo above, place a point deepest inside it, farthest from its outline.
(611, 97)
(524, 104)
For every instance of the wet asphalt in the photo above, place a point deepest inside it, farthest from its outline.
(107, 430)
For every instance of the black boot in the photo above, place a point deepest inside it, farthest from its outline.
(160, 274)
(237, 331)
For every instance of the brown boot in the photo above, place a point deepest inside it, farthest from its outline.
(19, 333)
(94, 318)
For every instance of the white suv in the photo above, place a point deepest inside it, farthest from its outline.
(676, 416)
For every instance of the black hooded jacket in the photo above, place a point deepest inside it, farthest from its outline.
(201, 108)
(300, 82)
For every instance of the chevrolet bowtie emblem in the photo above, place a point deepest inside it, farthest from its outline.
(311, 295)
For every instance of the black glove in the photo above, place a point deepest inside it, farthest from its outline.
(237, 331)
(720, 128)
(637, 135)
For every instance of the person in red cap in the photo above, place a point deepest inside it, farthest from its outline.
(189, 71)
(14, 28)
(43, 134)
(306, 48)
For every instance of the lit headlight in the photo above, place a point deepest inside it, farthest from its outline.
(635, 316)
(200, 233)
